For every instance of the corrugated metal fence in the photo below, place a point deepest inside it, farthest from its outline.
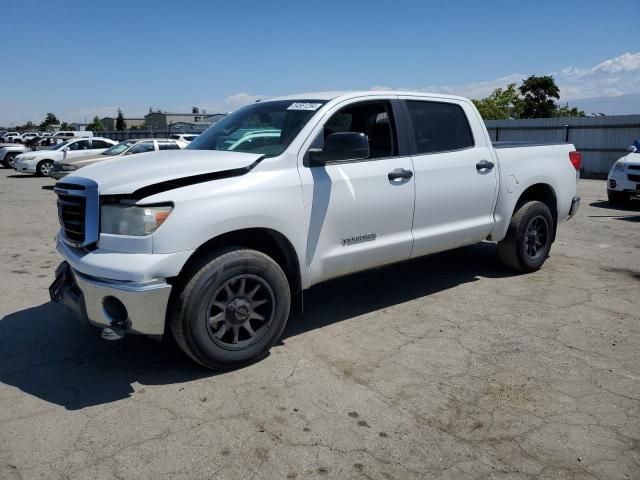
(602, 140)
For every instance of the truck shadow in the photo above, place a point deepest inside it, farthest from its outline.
(364, 292)
(45, 352)
(632, 206)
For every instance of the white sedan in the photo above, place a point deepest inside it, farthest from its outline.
(40, 162)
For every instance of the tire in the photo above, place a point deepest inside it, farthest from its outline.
(529, 237)
(44, 168)
(617, 199)
(213, 304)
(9, 159)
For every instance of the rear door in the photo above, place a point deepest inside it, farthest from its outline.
(455, 175)
(359, 216)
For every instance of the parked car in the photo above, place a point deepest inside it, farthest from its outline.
(221, 243)
(67, 134)
(62, 168)
(9, 151)
(185, 137)
(40, 162)
(623, 181)
(28, 136)
(11, 137)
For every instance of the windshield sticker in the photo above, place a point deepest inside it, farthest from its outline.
(304, 106)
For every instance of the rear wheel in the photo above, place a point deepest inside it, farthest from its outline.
(232, 308)
(528, 241)
(43, 169)
(617, 199)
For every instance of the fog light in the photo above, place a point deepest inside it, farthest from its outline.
(115, 311)
(612, 183)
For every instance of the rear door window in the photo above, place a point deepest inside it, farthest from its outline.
(439, 126)
(80, 145)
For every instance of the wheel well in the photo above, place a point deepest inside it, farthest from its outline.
(544, 193)
(267, 241)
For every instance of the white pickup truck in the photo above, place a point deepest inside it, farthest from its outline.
(215, 244)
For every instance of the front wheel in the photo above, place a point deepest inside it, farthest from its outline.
(44, 168)
(9, 160)
(232, 308)
(528, 241)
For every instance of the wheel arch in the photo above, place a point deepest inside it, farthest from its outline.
(542, 192)
(265, 240)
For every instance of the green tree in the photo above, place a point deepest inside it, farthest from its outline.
(27, 127)
(120, 122)
(65, 126)
(195, 110)
(565, 111)
(501, 104)
(538, 94)
(95, 125)
(50, 119)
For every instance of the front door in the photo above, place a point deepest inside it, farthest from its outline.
(360, 212)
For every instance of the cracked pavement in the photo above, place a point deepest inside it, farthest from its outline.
(448, 367)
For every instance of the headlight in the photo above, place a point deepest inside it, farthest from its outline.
(132, 219)
(618, 165)
(28, 157)
(69, 168)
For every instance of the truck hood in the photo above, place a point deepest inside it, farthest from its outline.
(127, 174)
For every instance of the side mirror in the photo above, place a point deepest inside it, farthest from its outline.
(340, 146)
(66, 149)
(632, 149)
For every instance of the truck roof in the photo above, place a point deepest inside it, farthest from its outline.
(359, 93)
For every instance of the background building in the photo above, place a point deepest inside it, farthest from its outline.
(196, 121)
(109, 123)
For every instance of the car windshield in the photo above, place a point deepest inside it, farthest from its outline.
(266, 128)
(118, 148)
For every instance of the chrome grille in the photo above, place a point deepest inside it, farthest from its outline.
(78, 211)
(71, 213)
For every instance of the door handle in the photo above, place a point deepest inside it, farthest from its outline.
(400, 173)
(484, 165)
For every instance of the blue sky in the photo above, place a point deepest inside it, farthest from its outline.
(79, 59)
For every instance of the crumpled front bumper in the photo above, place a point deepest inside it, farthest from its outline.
(88, 299)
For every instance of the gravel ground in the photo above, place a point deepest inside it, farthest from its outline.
(447, 367)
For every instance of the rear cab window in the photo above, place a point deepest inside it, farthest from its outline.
(438, 126)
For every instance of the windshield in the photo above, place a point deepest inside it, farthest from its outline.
(266, 127)
(118, 148)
